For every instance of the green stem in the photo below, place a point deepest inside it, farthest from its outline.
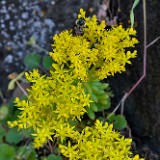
(2, 97)
(40, 48)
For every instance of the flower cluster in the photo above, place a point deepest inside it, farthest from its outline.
(55, 99)
(51, 102)
(99, 142)
(98, 53)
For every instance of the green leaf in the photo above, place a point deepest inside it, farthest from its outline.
(27, 132)
(95, 89)
(102, 119)
(104, 102)
(11, 84)
(32, 41)
(103, 96)
(32, 61)
(105, 107)
(19, 76)
(104, 86)
(119, 122)
(7, 152)
(94, 107)
(2, 133)
(3, 112)
(32, 156)
(100, 107)
(94, 97)
(73, 122)
(26, 152)
(108, 105)
(13, 136)
(96, 83)
(132, 12)
(101, 92)
(111, 117)
(88, 88)
(53, 157)
(47, 62)
(15, 114)
(91, 114)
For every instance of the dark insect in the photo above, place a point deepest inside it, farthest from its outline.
(79, 26)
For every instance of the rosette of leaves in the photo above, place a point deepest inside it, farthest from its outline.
(100, 93)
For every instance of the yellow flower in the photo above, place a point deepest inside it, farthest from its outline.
(98, 53)
(100, 142)
(136, 157)
(56, 98)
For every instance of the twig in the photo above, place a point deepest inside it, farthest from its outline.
(21, 88)
(119, 8)
(144, 49)
(129, 131)
(109, 10)
(54, 144)
(126, 95)
(116, 108)
(154, 41)
(122, 101)
(45, 71)
(50, 146)
(103, 113)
